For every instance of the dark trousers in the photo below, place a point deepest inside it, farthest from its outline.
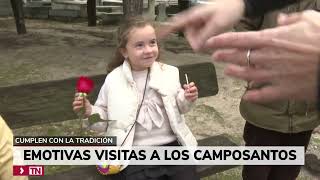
(158, 172)
(255, 136)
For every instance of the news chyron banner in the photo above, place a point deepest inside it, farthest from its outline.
(26, 151)
(40, 151)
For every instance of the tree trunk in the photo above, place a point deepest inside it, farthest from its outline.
(184, 4)
(151, 9)
(17, 9)
(91, 10)
(132, 8)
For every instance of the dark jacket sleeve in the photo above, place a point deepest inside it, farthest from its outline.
(259, 7)
(249, 24)
(318, 5)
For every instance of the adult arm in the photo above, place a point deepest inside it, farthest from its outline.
(259, 7)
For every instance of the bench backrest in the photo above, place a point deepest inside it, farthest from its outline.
(44, 102)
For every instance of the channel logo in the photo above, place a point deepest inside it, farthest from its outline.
(28, 170)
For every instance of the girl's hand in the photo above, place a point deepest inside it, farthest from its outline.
(190, 91)
(80, 102)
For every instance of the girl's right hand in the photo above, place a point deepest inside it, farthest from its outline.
(80, 102)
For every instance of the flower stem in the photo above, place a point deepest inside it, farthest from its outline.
(82, 113)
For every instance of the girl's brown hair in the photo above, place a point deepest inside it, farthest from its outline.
(122, 38)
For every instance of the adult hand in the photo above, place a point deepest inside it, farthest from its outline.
(201, 22)
(285, 58)
(298, 30)
(308, 15)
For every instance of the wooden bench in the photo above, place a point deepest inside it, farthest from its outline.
(44, 102)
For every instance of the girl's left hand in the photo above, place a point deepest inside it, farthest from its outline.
(190, 91)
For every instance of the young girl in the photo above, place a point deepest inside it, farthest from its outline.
(144, 100)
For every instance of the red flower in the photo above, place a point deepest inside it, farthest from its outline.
(85, 85)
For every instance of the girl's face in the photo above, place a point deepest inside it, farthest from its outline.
(142, 48)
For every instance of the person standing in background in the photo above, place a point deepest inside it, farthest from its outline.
(280, 123)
